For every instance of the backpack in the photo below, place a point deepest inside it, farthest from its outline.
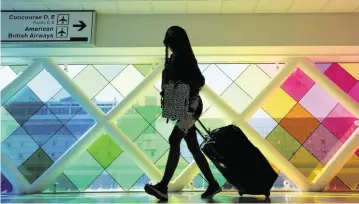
(176, 101)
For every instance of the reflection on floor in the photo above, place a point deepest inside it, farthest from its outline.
(276, 197)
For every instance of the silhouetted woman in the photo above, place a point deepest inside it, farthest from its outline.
(182, 66)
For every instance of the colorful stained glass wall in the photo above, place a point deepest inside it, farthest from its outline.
(42, 121)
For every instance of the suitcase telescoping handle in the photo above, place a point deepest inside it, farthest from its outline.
(205, 129)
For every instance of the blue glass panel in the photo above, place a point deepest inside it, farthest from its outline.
(61, 184)
(58, 144)
(42, 126)
(23, 105)
(63, 106)
(6, 187)
(19, 146)
(80, 123)
(2, 177)
(104, 182)
(141, 183)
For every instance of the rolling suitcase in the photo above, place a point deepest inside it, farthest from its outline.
(240, 162)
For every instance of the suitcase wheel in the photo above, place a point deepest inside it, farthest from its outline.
(267, 195)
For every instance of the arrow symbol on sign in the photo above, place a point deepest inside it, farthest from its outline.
(81, 26)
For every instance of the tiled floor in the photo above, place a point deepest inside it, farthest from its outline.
(183, 198)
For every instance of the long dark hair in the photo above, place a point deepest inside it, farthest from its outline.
(177, 39)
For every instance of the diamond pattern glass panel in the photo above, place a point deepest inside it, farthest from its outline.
(7, 75)
(63, 106)
(80, 123)
(299, 123)
(253, 73)
(110, 71)
(61, 184)
(42, 125)
(216, 79)
(149, 104)
(19, 146)
(318, 109)
(127, 80)
(36, 165)
(312, 125)
(44, 79)
(8, 124)
(83, 171)
(125, 171)
(349, 173)
(278, 104)
(152, 144)
(58, 144)
(73, 70)
(105, 150)
(351, 68)
(283, 142)
(306, 163)
(90, 87)
(340, 77)
(104, 182)
(108, 98)
(236, 97)
(298, 84)
(125, 123)
(233, 70)
(23, 105)
(262, 123)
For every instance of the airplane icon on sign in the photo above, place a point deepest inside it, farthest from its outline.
(62, 32)
(63, 20)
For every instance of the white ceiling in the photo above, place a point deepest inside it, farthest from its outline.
(187, 6)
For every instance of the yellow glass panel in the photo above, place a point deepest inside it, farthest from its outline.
(253, 80)
(351, 68)
(306, 163)
(350, 173)
(278, 104)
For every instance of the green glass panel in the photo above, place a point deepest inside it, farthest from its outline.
(61, 184)
(237, 98)
(161, 164)
(283, 142)
(152, 144)
(145, 69)
(83, 171)
(110, 71)
(105, 150)
(18, 68)
(164, 128)
(8, 124)
(36, 165)
(127, 80)
(90, 81)
(132, 123)
(253, 80)
(149, 104)
(125, 171)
